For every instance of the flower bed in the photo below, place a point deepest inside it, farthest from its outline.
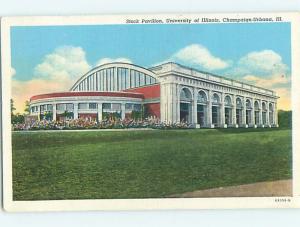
(82, 124)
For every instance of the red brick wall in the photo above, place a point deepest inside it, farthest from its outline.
(149, 92)
(153, 109)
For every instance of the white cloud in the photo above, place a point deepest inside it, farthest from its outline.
(266, 69)
(265, 62)
(275, 83)
(57, 72)
(65, 63)
(103, 61)
(269, 82)
(199, 55)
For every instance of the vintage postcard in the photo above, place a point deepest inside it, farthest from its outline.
(166, 111)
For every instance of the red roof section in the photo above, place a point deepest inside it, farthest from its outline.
(87, 93)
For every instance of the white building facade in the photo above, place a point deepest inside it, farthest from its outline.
(207, 100)
(171, 92)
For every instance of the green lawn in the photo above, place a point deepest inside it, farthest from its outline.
(144, 164)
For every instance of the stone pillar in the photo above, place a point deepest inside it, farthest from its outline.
(178, 103)
(39, 112)
(209, 113)
(222, 112)
(99, 111)
(123, 111)
(166, 102)
(194, 105)
(234, 111)
(244, 113)
(260, 113)
(75, 111)
(54, 111)
(173, 103)
(252, 113)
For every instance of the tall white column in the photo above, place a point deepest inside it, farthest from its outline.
(168, 109)
(252, 112)
(170, 103)
(222, 111)
(244, 122)
(172, 100)
(123, 111)
(39, 112)
(54, 111)
(177, 104)
(234, 111)
(209, 113)
(267, 114)
(99, 111)
(260, 113)
(75, 113)
(194, 104)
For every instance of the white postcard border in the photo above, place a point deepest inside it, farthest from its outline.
(141, 204)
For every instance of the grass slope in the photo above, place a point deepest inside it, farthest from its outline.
(144, 164)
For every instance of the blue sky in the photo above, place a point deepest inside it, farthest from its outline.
(256, 53)
(146, 44)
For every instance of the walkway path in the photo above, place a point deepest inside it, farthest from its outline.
(261, 189)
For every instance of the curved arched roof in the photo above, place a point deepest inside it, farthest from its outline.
(113, 65)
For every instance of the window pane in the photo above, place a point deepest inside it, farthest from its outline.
(116, 106)
(132, 79)
(60, 106)
(128, 106)
(142, 79)
(82, 106)
(106, 106)
(137, 79)
(92, 106)
(137, 107)
(70, 106)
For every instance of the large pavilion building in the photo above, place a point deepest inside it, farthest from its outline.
(170, 92)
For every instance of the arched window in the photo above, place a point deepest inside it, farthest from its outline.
(202, 97)
(115, 77)
(264, 106)
(239, 103)
(216, 99)
(227, 100)
(248, 104)
(185, 94)
(256, 105)
(271, 107)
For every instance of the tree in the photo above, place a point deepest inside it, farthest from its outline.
(27, 107)
(285, 119)
(12, 107)
(17, 118)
